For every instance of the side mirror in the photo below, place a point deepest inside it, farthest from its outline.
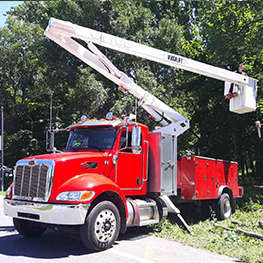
(50, 140)
(136, 140)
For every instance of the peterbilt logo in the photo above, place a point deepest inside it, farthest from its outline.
(175, 59)
(32, 162)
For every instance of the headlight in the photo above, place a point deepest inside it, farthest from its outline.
(76, 196)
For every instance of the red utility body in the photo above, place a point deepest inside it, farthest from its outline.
(201, 178)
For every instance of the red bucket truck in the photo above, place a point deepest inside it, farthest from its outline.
(115, 173)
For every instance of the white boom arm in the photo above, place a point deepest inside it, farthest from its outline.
(63, 33)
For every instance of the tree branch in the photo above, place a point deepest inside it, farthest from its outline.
(238, 231)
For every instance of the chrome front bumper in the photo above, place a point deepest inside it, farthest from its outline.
(59, 214)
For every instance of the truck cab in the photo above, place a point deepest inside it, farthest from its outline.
(102, 163)
(112, 140)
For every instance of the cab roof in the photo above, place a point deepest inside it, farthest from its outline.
(103, 123)
(93, 123)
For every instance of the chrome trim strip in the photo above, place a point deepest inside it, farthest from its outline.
(147, 161)
(61, 214)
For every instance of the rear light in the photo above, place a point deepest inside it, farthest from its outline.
(240, 191)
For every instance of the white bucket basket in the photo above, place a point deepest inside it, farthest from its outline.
(244, 99)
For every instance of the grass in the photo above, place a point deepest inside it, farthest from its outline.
(208, 236)
(2, 193)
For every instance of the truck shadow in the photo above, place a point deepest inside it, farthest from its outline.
(135, 233)
(50, 245)
(193, 214)
(53, 244)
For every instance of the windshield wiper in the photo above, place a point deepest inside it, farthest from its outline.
(95, 147)
(73, 148)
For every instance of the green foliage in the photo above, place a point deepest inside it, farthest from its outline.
(25, 142)
(221, 33)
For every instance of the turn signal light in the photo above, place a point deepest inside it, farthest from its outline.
(86, 196)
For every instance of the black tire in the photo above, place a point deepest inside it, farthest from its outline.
(102, 226)
(28, 228)
(224, 208)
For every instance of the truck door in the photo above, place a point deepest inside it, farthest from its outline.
(129, 167)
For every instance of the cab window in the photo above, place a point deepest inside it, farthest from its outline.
(92, 138)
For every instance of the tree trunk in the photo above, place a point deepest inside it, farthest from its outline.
(251, 162)
(242, 169)
(246, 165)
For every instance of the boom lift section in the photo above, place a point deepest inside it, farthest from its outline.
(63, 33)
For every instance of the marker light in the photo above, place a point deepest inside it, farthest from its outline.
(109, 116)
(83, 118)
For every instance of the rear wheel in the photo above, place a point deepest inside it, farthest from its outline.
(28, 228)
(102, 226)
(224, 209)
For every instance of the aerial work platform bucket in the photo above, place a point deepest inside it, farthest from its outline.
(244, 97)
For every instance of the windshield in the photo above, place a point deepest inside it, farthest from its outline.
(92, 138)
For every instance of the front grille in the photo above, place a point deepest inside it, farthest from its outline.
(33, 182)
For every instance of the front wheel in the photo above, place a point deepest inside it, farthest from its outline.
(28, 228)
(224, 209)
(102, 226)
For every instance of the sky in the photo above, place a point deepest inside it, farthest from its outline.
(5, 6)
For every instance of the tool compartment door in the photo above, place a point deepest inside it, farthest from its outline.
(162, 163)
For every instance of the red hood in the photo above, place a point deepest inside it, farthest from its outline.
(68, 165)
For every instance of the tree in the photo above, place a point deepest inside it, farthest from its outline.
(230, 33)
(221, 33)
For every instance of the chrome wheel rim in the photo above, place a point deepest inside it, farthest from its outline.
(227, 208)
(105, 226)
